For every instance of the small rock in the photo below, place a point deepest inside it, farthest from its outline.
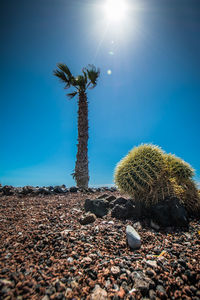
(141, 283)
(120, 201)
(111, 223)
(161, 290)
(69, 293)
(65, 233)
(104, 196)
(133, 238)
(27, 190)
(151, 263)
(86, 260)
(41, 226)
(121, 293)
(6, 282)
(58, 190)
(73, 189)
(45, 297)
(150, 273)
(70, 259)
(7, 190)
(96, 229)
(74, 284)
(152, 294)
(98, 294)
(124, 209)
(137, 225)
(115, 270)
(111, 198)
(88, 219)
(98, 206)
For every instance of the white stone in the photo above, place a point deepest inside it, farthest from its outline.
(70, 259)
(111, 222)
(133, 238)
(115, 270)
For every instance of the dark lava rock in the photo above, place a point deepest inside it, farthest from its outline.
(104, 196)
(111, 198)
(73, 189)
(58, 189)
(27, 190)
(169, 212)
(98, 206)
(124, 209)
(42, 191)
(89, 218)
(120, 201)
(8, 190)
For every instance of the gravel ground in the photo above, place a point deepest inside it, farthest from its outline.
(45, 253)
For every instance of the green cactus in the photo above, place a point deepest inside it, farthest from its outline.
(186, 191)
(149, 175)
(178, 167)
(184, 188)
(142, 174)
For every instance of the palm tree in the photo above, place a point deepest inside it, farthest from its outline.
(81, 84)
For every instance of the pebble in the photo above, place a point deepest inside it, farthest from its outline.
(133, 238)
(87, 260)
(88, 219)
(45, 297)
(151, 263)
(98, 294)
(70, 259)
(152, 294)
(115, 270)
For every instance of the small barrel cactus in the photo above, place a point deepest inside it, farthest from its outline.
(142, 173)
(149, 175)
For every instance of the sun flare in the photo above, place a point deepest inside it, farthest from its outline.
(115, 10)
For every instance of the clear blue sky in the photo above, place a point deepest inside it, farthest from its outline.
(152, 95)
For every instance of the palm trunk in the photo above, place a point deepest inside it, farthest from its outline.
(81, 169)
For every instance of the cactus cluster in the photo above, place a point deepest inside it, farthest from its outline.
(150, 175)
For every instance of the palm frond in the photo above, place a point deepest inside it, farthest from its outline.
(60, 75)
(65, 69)
(72, 95)
(93, 74)
(85, 75)
(80, 82)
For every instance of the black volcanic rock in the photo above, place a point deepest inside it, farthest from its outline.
(8, 190)
(98, 206)
(169, 212)
(73, 189)
(124, 209)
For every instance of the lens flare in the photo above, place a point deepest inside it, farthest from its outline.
(115, 10)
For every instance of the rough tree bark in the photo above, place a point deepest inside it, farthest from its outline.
(81, 174)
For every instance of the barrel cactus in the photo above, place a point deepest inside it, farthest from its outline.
(178, 167)
(142, 173)
(149, 175)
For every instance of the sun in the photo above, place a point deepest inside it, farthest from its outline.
(115, 10)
